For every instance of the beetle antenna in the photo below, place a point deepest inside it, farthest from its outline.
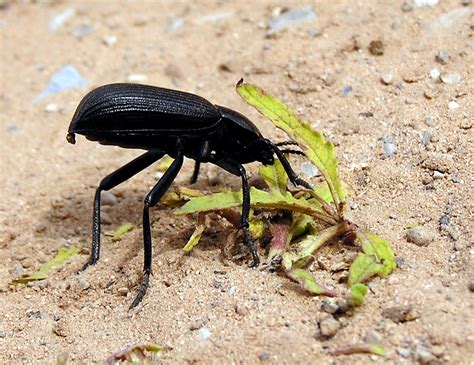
(294, 152)
(286, 143)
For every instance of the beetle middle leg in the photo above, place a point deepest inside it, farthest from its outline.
(152, 198)
(110, 181)
(236, 168)
(194, 177)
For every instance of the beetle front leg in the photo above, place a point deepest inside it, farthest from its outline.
(152, 198)
(110, 181)
(237, 169)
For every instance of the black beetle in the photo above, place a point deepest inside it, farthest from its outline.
(163, 121)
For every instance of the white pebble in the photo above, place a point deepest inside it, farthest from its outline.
(434, 74)
(453, 105)
(450, 78)
(204, 334)
(50, 108)
(137, 78)
(109, 40)
(387, 79)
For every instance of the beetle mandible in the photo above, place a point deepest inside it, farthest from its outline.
(163, 121)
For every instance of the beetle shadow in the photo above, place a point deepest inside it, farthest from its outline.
(69, 218)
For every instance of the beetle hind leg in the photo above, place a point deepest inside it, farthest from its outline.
(152, 198)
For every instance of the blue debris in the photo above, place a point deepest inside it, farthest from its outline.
(61, 18)
(389, 145)
(346, 90)
(66, 78)
(290, 18)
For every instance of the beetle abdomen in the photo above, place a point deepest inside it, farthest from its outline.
(142, 109)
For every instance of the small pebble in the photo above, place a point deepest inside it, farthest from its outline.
(392, 215)
(442, 57)
(204, 334)
(174, 24)
(264, 356)
(426, 138)
(241, 309)
(309, 169)
(423, 355)
(373, 338)
(438, 175)
(420, 236)
(387, 79)
(105, 218)
(453, 105)
(196, 324)
(429, 121)
(123, 291)
(450, 78)
(83, 284)
(137, 78)
(51, 108)
(346, 90)
(329, 327)
(109, 40)
(389, 145)
(423, 3)
(400, 314)
(108, 198)
(173, 71)
(329, 306)
(376, 47)
(406, 6)
(3, 334)
(471, 286)
(466, 2)
(404, 352)
(434, 74)
(290, 18)
(82, 30)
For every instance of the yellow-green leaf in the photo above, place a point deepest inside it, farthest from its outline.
(63, 255)
(134, 355)
(275, 176)
(316, 148)
(364, 267)
(359, 349)
(307, 282)
(165, 163)
(124, 228)
(358, 292)
(377, 246)
(194, 239)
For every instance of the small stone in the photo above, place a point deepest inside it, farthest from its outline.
(423, 3)
(434, 74)
(392, 215)
(423, 355)
(407, 6)
(204, 334)
(241, 309)
(442, 57)
(309, 169)
(466, 2)
(41, 284)
(346, 90)
(426, 138)
(82, 30)
(108, 198)
(437, 175)
(471, 286)
(389, 145)
(137, 78)
(453, 105)
(173, 71)
(420, 236)
(105, 218)
(82, 283)
(376, 47)
(196, 324)
(400, 314)
(329, 306)
(450, 78)
(373, 338)
(51, 108)
(429, 121)
(109, 40)
(264, 356)
(404, 352)
(3, 334)
(329, 327)
(123, 291)
(386, 78)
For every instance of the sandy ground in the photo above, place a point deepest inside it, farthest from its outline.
(199, 308)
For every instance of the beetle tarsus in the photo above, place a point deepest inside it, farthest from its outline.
(141, 290)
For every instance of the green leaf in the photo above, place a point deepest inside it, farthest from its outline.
(358, 292)
(165, 163)
(256, 228)
(133, 355)
(275, 176)
(124, 228)
(359, 349)
(258, 199)
(63, 255)
(364, 267)
(377, 246)
(307, 282)
(194, 239)
(316, 148)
